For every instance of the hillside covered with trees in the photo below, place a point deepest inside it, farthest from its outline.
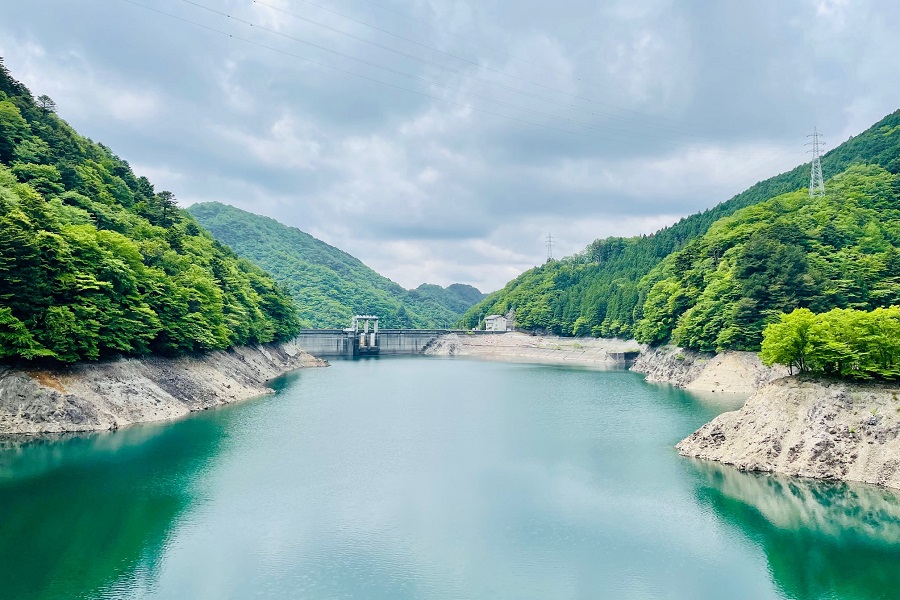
(94, 262)
(329, 286)
(604, 290)
(841, 250)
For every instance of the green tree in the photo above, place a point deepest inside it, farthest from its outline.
(788, 341)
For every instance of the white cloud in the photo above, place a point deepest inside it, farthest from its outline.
(79, 87)
(287, 143)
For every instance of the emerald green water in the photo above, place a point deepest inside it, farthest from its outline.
(434, 479)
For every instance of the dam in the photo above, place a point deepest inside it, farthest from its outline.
(364, 338)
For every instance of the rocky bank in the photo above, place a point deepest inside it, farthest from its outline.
(809, 428)
(109, 395)
(535, 348)
(729, 372)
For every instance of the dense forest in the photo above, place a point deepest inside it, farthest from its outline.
(329, 286)
(602, 291)
(841, 250)
(94, 262)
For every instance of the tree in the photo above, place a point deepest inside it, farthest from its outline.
(166, 200)
(46, 104)
(788, 341)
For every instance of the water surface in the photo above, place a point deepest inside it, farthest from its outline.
(434, 479)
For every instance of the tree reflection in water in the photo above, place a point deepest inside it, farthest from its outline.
(84, 516)
(821, 539)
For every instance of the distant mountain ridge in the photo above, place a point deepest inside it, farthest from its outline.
(329, 285)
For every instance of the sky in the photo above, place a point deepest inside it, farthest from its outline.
(441, 141)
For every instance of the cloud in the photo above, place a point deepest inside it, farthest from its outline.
(84, 90)
(575, 118)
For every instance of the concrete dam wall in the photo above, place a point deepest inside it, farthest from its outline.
(389, 342)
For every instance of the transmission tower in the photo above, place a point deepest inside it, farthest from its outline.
(816, 183)
(550, 243)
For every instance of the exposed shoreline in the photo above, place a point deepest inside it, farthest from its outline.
(109, 395)
(599, 352)
(835, 430)
(731, 372)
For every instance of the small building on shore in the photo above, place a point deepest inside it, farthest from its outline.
(495, 323)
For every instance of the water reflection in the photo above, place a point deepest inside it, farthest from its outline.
(821, 539)
(83, 515)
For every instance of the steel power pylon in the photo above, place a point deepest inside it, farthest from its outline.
(816, 182)
(550, 243)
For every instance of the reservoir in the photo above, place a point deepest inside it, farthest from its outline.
(432, 478)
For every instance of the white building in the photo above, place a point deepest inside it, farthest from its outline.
(495, 323)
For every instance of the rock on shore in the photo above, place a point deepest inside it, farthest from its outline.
(806, 428)
(730, 372)
(109, 395)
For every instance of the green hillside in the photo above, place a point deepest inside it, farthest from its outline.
(598, 291)
(329, 285)
(95, 263)
(841, 250)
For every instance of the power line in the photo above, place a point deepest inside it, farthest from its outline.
(504, 51)
(630, 136)
(326, 65)
(592, 110)
(471, 62)
(422, 79)
(456, 35)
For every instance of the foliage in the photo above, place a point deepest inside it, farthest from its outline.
(837, 251)
(329, 286)
(94, 263)
(842, 342)
(603, 285)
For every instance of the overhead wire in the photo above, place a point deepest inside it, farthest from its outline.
(593, 126)
(456, 35)
(432, 48)
(589, 110)
(630, 136)
(675, 126)
(640, 118)
(346, 71)
(508, 54)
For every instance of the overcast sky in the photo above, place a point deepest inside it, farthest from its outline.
(442, 140)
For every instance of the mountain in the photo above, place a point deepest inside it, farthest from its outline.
(95, 263)
(598, 292)
(841, 250)
(329, 285)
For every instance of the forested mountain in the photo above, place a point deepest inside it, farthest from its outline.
(457, 298)
(599, 292)
(841, 250)
(95, 263)
(329, 285)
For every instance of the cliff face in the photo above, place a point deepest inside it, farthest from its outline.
(825, 430)
(733, 372)
(99, 396)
